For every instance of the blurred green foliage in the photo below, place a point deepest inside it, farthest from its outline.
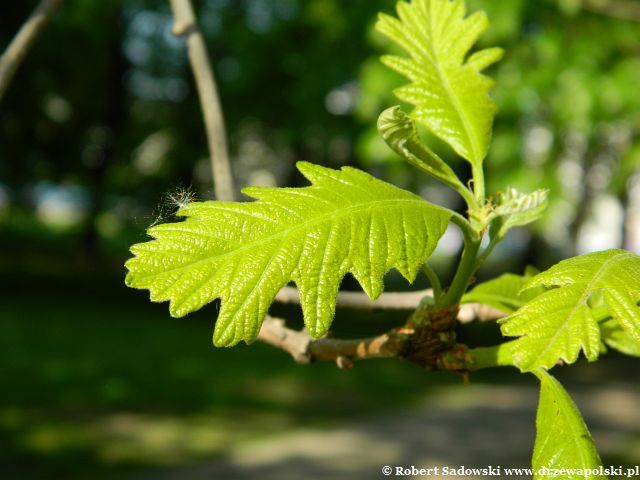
(112, 383)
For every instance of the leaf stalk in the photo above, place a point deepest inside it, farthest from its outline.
(489, 357)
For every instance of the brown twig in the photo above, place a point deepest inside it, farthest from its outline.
(186, 26)
(274, 332)
(305, 349)
(17, 50)
(395, 301)
(395, 343)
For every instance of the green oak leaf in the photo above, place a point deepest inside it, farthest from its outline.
(400, 133)
(562, 438)
(516, 209)
(561, 322)
(507, 293)
(244, 253)
(614, 336)
(448, 91)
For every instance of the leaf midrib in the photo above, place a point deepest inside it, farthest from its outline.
(462, 114)
(341, 213)
(575, 434)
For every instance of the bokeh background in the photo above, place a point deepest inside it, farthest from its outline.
(101, 132)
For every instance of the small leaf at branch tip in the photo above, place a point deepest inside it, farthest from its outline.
(516, 209)
(244, 253)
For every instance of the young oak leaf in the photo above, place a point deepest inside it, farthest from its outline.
(560, 322)
(399, 132)
(614, 336)
(516, 209)
(450, 94)
(563, 441)
(243, 253)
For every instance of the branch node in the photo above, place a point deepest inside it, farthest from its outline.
(344, 363)
(428, 338)
(434, 336)
(182, 29)
(456, 359)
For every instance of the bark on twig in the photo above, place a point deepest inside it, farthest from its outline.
(275, 333)
(186, 26)
(305, 349)
(477, 311)
(17, 50)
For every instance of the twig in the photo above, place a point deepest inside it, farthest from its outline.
(23, 41)
(275, 333)
(186, 26)
(305, 349)
(621, 9)
(395, 301)
(395, 343)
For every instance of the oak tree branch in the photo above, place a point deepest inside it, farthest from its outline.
(304, 349)
(395, 343)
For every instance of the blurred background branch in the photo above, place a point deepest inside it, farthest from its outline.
(394, 301)
(186, 26)
(359, 300)
(24, 40)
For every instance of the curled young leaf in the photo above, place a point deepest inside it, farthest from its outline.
(614, 336)
(400, 133)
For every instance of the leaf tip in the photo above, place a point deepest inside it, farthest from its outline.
(307, 169)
